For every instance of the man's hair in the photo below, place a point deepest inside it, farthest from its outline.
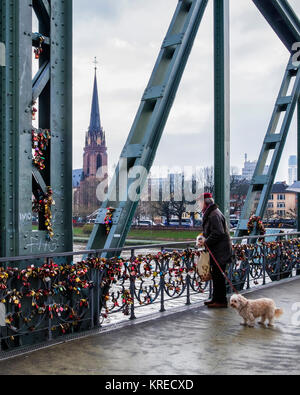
(209, 201)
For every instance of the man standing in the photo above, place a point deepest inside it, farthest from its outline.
(217, 238)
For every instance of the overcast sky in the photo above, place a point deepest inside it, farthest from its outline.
(126, 36)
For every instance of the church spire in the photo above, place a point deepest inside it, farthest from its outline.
(95, 132)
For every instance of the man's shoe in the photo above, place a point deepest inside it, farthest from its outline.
(216, 305)
(207, 302)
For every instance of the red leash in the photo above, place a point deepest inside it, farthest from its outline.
(216, 262)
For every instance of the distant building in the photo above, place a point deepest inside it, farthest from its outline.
(249, 168)
(292, 169)
(282, 203)
(85, 181)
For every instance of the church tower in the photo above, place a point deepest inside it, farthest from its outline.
(95, 150)
(94, 158)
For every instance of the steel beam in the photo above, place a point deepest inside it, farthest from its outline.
(272, 147)
(40, 80)
(2, 55)
(298, 163)
(286, 25)
(140, 148)
(52, 86)
(222, 105)
(282, 19)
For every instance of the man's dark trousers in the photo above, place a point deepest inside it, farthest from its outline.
(219, 283)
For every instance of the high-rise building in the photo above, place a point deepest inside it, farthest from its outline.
(292, 169)
(94, 158)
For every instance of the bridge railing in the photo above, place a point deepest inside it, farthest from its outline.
(62, 294)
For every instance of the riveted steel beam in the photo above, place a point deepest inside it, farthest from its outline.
(222, 106)
(2, 55)
(43, 10)
(282, 19)
(286, 25)
(262, 181)
(40, 80)
(298, 162)
(16, 121)
(52, 88)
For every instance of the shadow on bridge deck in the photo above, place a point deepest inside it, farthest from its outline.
(197, 341)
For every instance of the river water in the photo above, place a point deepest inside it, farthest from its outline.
(125, 254)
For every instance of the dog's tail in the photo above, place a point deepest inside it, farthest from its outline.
(278, 312)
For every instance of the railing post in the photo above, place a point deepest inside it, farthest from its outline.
(132, 290)
(248, 275)
(278, 263)
(97, 307)
(93, 313)
(93, 318)
(229, 273)
(100, 294)
(49, 285)
(264, 263)
(162, 287)
(95, 297)
(188, 279)
(91, 296)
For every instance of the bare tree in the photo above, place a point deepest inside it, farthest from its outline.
(163, 209)
(209, 181)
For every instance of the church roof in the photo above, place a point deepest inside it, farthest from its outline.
(95, 128)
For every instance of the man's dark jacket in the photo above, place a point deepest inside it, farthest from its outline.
(217, 235)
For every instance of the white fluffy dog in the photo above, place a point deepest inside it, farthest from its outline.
(252, 309)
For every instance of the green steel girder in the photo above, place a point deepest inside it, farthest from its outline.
(52, 87)
(283, 20)
(222, 105)
(2, 54)
(144, 137)
(272, 147)
(286, 25)
(298, 162)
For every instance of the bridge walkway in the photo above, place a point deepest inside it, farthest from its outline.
(196, 341)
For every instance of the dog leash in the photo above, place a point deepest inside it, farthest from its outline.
(216, 262)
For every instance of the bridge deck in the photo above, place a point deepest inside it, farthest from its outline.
(197, 341)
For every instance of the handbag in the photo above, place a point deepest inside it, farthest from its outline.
(203, 266)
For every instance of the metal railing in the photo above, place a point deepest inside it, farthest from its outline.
(62, 294)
